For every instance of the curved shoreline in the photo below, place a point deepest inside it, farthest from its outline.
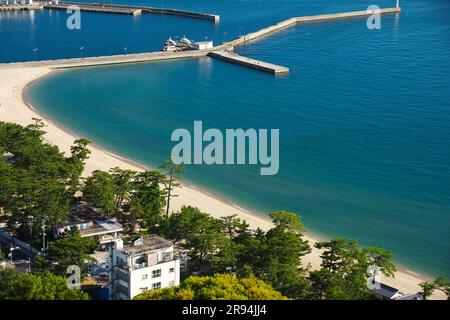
(14, 107)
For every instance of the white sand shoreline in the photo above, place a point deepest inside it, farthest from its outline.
(13, 108)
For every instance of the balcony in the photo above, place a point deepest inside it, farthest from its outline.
(138, 266)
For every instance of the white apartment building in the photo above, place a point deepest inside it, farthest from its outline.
(145, 264)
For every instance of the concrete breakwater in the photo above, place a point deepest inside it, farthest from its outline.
(298, 20)
(22, 7)
(232, 57)
(108, 60)
(131, 9)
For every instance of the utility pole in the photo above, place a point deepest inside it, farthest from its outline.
(43, 235)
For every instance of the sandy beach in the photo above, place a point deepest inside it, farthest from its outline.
(13, 108)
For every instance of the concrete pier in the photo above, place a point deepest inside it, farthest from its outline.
(22, 7)
(307, 19)
(232, 57)
(131, 9)
(109, 60)
(95, 8)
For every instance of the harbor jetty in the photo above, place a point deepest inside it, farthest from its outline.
(108, 60)
(307, 19)
(130, 9)
(20, 7)
(230, 56)
(224, 51)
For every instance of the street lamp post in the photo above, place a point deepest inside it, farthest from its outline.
(125, 50)
(35, 50)
(81, 52)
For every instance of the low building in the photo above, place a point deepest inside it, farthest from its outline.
(90, 223)
(202, 45)
(145, 264)
(384, 292)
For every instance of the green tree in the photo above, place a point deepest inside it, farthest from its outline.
(123, 185)
(36, 178)
(428, 289)
(280, 259)
(69, 250)
(41, 286)
(232, 226)
(217, 287)
(288, 221)
(79, 154)
(443, 285)
(173, 174)
(345, 266)
(98, 191)
(275, 256)
(185, 224)
(150, 198)
(380, 258)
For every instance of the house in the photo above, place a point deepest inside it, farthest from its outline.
(384, 292)
(91, 223)
(144, 264)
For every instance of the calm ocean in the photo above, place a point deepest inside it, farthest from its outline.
(364, 115)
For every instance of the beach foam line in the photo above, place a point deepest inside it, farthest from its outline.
(240, 208)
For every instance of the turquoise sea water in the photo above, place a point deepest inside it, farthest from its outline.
(364, 115)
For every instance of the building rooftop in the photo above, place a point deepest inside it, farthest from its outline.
(386, 291)
(146, 244)
(99, 225)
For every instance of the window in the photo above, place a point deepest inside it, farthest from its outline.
(156, 273)
(167, 256)
(144, 276)
(171, 270)
(171, 283)
(120, 262)
(156, 285)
